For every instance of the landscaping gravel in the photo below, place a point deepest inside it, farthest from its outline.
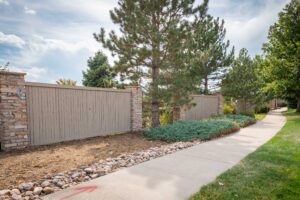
(59, 181)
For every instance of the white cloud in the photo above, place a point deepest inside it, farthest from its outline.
(248, 28)
(32, 73)
(42, 44)
(37, 48)
(29, 11)
(11, 39)
(97, 10)
(35, 73)
(4, 2)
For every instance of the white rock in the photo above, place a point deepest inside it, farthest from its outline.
(89, 170)
(48, 190)
(15, 191)
(55, 180)
(26, 186)
(16, 197)
(75, 175)
(37, 190)
(28, 193)
(45, 183)
(94, 176)
(4, 192)
(60, 183)
(65, 186)
(58, 177)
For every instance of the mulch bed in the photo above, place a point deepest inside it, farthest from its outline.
(34, 163)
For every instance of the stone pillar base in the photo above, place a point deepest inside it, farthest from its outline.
(136, 108)
(13, 108)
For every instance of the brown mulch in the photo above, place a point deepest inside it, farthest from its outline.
(34, 163)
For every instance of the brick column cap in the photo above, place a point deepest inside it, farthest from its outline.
(12, 73)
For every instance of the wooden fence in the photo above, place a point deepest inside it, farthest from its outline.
(59, 113)
(206, 105)
(37, 114)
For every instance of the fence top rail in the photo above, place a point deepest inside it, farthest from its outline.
(205, 96)
(47, 85)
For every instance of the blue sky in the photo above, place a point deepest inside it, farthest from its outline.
(53, 39)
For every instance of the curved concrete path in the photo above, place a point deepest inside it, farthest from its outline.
(178, 175)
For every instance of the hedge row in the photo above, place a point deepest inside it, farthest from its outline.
(240, 120)
(191, 130)
(199, 130)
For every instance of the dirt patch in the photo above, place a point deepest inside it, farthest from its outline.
(34, 163)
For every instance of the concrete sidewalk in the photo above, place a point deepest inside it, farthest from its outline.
(178, 175)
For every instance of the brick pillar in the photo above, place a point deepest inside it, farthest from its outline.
(183, 111)
(220, 104)
(13, 116)
(136, 108)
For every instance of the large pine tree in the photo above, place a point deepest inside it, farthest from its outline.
(210, 52)
(147, 29)
(242, 81)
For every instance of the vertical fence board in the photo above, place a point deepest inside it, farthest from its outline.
(205, 107)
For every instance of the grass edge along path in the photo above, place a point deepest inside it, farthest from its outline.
(260, 116)
(271, 172)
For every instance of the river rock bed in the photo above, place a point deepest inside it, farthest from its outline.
(53, 183)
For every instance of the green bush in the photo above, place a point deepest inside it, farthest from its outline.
(292, 103)
(262, 109)
(166, 117)
(240, 120)
(229, 109)
(191, 130)
(282, 104)
(248, 113)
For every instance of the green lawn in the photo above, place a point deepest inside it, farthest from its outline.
(260, 116)
(271, 172)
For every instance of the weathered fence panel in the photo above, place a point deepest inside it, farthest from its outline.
(59, 113)
(206, 105)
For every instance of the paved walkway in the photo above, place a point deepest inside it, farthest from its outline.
(178, 175)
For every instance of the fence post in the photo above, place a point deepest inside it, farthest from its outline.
(13, 111)
(136, 108)
(220, 103)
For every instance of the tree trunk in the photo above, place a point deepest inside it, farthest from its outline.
(176, 109)
(206, 85)
(155, 100)
(298, 105)
(176, 113)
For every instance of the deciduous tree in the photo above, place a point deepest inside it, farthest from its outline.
(4, 67)
(66, 82)
(282, 54)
